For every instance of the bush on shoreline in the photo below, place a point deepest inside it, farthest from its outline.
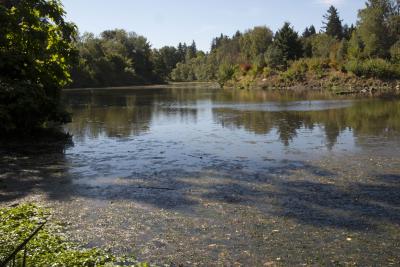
(31, 76)
(26, 108)
(374, 68)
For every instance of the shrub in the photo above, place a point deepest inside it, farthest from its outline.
(225, 73)
(25, 107)
(395, 53)
(259, 62)
(318, 66)
(274, 58)
(245, 67)
(36, 53)
(267, 71)
(374, 68)
(297, 71)
(322, 45)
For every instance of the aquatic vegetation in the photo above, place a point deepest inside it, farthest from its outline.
(50, 247)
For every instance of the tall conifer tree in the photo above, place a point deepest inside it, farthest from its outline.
(333, 23)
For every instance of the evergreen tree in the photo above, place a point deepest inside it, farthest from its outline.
(348, 31)
(182, 52)
(237, 34)
(306, 33)
(287, 41)
(309, 31)
(333, 24)
(312, 30)
(218, 41)
(191, 51)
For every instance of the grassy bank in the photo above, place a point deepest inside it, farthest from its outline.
(319, 74)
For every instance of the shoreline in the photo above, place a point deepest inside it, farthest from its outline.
(341, 85)
(148, 86)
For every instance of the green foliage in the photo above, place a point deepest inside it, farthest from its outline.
(183, 72)
(259, 62)
(309, 31)
(395, 52)
(348, 31)
(255, 42)
(165, 60)
(307, 46)
(332, 24)
(275, 58)
(288, 42)
(267, 71)
(117, 58)
(191, 51)
(26, 106)
(356, 47)
(257, 49)
(49, 247)
(36, 43)
(317, 64)
(374, 68)
(196, 69)
(36, 52)
(342, 51)
(374, 27)
(225, 73)
(322, 45)
(296, 72)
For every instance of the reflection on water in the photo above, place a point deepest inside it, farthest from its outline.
(135, 133)
(221, 122)
(251, 175)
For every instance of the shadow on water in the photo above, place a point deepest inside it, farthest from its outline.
(291, 189)
(27, 166)
(294, 190)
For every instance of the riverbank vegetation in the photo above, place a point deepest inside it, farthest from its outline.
(50, 246)
(36, 51)
(355, 56)
(365, 55)
(118, 58)
(40, 53)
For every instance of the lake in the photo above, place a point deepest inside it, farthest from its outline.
(189, 174)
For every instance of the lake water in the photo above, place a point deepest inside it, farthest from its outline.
(194, 175)
(122, 133)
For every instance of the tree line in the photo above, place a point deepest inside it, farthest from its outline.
(369, 49)
(41, 53)
(118, 58)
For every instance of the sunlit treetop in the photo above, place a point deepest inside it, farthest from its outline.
(36, 43)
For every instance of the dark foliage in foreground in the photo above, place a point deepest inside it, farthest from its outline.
(36, 50)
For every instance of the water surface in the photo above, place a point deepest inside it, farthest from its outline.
(194, 175)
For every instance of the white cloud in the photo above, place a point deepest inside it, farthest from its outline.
(331, 2)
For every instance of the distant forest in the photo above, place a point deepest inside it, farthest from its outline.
(41, 53)
(369, 49)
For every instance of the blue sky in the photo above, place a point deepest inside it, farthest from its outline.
(168, 22)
